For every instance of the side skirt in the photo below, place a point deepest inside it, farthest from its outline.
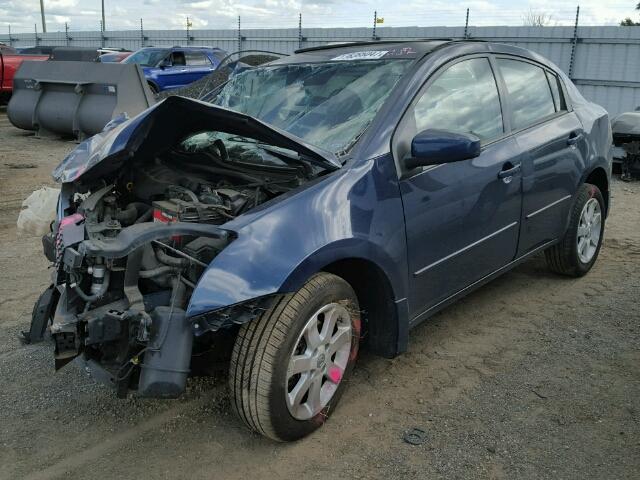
(475, 285)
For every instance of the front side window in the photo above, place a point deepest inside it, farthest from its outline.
(463, 99)
(529, 93)
(177, 59)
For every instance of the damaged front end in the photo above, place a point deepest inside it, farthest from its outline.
(141, 216)
(626, 140)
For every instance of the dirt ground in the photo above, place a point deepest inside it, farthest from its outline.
(532, 376)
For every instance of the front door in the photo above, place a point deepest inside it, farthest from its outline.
(462, 219)
(172, 76)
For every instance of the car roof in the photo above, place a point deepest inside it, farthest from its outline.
(408, 49)
(363, 50)
(190, 47)
(194, 47)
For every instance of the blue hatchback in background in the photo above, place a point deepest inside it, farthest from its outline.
(167, 68)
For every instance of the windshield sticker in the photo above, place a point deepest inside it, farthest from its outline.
(366, 55)
(401, 52)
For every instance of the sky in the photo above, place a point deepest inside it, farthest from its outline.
(83, 15)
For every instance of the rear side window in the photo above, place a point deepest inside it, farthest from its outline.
(196, 59)
(555, 91)
(463, 99)
(529, 92)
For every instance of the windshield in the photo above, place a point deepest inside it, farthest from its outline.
(329, 105)
(147, 57)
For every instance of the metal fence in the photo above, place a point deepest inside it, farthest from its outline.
(604, 62)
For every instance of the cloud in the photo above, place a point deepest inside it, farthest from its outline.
(166, 14)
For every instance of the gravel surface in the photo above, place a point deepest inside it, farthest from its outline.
(533, 376)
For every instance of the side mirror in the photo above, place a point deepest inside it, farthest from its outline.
(433, 147)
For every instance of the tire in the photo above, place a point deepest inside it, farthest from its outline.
(564, 257)
(263, 390)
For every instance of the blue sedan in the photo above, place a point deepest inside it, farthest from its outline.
(167, 68)
(327, 201)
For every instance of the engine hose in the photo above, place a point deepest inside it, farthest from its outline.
(169, 260)
(133, 213)
(128, 215)
(157, 271)
(103, 289)
(145, 216)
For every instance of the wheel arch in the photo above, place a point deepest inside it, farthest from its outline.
(377, 282)
(598, 177)
(153, 85)
(382, 328)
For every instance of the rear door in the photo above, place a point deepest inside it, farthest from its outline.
(553, 139)
(462, 219)
(198, 65)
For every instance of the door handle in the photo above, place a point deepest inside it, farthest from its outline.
(509, 170)
(574, 138)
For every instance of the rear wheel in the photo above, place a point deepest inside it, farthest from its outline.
(288, 366)
(578, 250)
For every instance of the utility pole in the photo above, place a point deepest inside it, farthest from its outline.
(300, 30)
(66, 33)
(104, 25)
(239, 35)
(574, 43)
(10, 39)
(44, 24)
(141, 34)
(375, 22)
(466, 26)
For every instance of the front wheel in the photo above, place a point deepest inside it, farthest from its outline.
(289, 366)
(578, 250)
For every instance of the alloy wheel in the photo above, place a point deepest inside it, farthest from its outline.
(318, 361)
(589, 230)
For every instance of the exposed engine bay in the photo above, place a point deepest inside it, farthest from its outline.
(129, 248)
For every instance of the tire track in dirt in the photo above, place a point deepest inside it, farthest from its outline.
(113, 442)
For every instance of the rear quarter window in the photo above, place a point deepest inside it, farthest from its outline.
(529, 93)
(558, 99)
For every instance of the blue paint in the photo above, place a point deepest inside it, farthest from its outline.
(433, 232)
(172, 71)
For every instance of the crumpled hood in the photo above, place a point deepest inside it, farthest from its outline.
(162, 126)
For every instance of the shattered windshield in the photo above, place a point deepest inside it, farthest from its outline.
(329, 105)
(147, 57)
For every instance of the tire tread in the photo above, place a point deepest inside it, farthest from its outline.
(253, 360)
